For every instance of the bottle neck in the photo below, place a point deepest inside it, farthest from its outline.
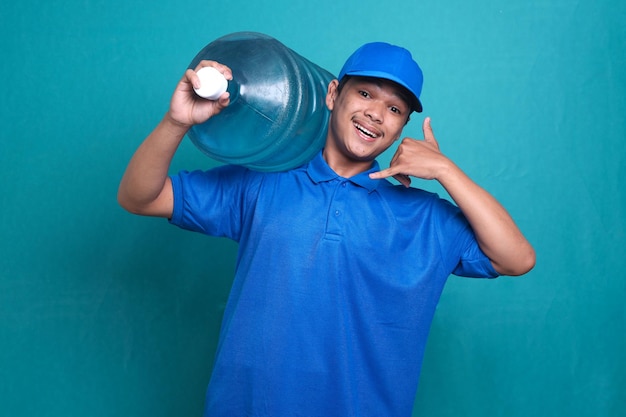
(234, 90)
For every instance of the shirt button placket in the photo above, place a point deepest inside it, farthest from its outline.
(335, 225)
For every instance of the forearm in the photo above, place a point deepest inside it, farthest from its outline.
(497, 234)
(146, 175)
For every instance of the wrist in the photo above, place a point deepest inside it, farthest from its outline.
(448, 171)
(174, 126)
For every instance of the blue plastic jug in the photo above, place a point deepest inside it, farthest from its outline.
(277, 118)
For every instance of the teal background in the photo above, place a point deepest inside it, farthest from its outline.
(107, 314)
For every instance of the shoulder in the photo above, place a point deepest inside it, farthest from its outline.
(224, 175)
(411, 202)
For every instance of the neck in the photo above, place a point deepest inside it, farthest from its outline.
(344, 167)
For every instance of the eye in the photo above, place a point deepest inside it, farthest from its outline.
(398, 110)
(364, 94)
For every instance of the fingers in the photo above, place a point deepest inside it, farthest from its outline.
(403, 179)
(386, 173)
(225, 70)
(393, 171)
(187, 106)
(194, 79)
(192, 74)
(383, 173)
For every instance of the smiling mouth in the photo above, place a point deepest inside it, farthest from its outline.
(365, 131)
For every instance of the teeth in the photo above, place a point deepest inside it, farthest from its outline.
(364, 130)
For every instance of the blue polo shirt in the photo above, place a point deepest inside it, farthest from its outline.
(336, 284)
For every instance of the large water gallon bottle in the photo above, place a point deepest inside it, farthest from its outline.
(277, 118)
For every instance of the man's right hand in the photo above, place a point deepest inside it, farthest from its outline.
(186, 107)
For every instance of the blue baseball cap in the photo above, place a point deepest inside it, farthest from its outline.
(383, 60)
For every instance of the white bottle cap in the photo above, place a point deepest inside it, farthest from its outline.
(212, 83)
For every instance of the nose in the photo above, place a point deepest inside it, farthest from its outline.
(374, 111)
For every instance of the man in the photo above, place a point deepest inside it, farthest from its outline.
(339, 271)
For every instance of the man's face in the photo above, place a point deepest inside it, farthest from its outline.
(367, 117)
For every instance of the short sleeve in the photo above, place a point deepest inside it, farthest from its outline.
(210, 202)
(458, 238)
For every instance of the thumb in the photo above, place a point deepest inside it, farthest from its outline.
(429, 136)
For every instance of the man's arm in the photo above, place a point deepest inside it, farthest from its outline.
(496, 232)
(145, 187)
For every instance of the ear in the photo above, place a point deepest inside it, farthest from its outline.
(331, 94)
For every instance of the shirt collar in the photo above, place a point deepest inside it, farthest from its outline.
(319, 171)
